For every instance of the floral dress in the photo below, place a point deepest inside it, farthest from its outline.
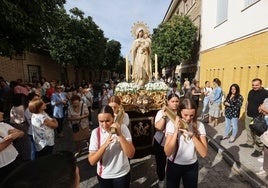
(233, 111)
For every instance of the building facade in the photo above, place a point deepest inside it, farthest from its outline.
(192, 8)
(234, 42)
(30, 67)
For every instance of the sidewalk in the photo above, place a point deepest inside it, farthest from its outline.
(238, 157)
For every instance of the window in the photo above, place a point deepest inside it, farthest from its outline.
(34, 73)
(250, 2)
(222, 11)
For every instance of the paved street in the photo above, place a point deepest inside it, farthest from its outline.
(214, 171)
(240, 158)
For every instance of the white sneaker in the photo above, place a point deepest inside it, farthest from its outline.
(261, 173)
(161, 184)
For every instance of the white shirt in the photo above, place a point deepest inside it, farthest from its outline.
(9, 154)
(73, 114)
(42, 134)
(171, 91)
(186, 153)
(265, 103)
(159, 136)
(89, 98)
(125, 119)
(114, 162)
(207, 91)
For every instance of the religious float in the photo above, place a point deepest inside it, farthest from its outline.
(141, 97)
(142, 104)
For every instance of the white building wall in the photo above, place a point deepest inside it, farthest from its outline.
(240, 22)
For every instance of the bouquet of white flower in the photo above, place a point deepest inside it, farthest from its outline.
(156, 86)
(125, 87)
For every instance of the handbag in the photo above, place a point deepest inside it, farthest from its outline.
(82, 133)
(75, 126)
(264, 138)
(258, 125)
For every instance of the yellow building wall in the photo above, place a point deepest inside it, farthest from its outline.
(237, 62)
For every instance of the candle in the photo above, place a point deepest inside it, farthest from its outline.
(126, 68)
(156, 66)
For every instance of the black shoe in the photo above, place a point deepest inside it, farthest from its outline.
(246, 145)
(224, 138)
(256, 153)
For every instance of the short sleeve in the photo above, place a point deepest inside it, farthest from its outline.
(126, 119)
(93, 146)
(38, 119)
(4, 130)
(158, 116)
(170, 129)
(201, 128)
(126, 133)
(265, 103)
(8, 127)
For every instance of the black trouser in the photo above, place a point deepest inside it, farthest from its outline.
(196, 102)
(188, 173)
(161, 160)
(6, 170)
(60, 125)
(121, 182)
(89, 113)
(45, 151)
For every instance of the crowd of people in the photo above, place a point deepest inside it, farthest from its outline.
(33, 115)
(216, 104)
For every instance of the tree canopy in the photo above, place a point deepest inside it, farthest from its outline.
(112, 54)
(77, 40)
(70, 39)
(173, 41)
(25, 23)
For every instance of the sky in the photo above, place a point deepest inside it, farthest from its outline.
(117, 17)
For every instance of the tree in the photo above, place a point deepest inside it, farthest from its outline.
(24, 24)
(173, 41)
(112, 54)
(77, 41)
(120, 66)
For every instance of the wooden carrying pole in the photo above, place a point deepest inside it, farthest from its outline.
(172, 116)
(117, 119)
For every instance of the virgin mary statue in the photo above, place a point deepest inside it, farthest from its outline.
(141, 52)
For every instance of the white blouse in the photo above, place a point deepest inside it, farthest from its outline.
(186, 153)
(42, 135)
(9, 154)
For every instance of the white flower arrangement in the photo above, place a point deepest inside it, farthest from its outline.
(126, 87)
(156, 86)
